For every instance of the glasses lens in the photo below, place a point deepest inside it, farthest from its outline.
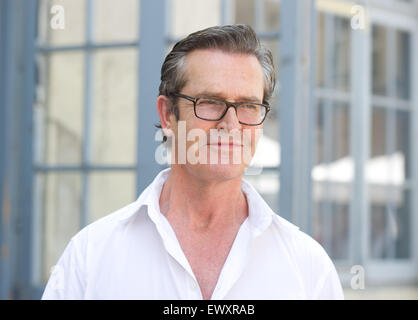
(210, 109)
(251, 113)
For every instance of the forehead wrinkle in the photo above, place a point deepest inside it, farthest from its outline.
(221, 95)
(205, 85)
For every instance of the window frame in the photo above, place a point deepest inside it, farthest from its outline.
(402, 18)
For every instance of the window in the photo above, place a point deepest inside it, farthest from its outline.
(389, 167)
(332, 173)
(84, 120)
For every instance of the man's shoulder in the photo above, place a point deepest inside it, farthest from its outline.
(304, 247)
(309, 257)
(106, 225)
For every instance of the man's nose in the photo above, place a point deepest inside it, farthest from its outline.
(230, 120)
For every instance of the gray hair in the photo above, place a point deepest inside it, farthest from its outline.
(237, 38)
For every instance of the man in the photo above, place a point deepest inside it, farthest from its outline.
(200, 231)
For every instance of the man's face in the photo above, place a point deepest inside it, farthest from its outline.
(227, 76)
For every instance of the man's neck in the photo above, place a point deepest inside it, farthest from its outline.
(200, 205)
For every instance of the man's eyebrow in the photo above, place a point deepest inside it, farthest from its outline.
(208, 94)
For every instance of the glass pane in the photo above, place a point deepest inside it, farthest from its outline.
(115, 22)
(333, 161)
(271, 19)
(188, 16)
(320, 50)
(61, 23)
(320, 133)
(244, 12)
(340, 122)
(379, 60)
(393, 167)
(262, 15)
(110, 191)
(332, 175)
(390, 222)
(378, 167)
(58, 111)
(378, 145)
(331, 218)
(333, 52)
(115, 106)
(403, 64)
(342, 58)
(403, 146)
(57, 208)
(267, 184)
(404, 221)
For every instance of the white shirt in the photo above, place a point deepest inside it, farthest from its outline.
(133, 253)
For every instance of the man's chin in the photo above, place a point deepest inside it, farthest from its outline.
(219, 172)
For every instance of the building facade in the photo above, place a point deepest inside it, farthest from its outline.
(339, 154)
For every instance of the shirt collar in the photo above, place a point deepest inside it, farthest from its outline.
(260, 214)
(150, 197)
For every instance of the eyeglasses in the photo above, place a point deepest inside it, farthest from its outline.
(213, 109)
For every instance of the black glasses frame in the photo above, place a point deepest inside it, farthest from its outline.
(228, 105)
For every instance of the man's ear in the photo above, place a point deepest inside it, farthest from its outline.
(164, 111)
